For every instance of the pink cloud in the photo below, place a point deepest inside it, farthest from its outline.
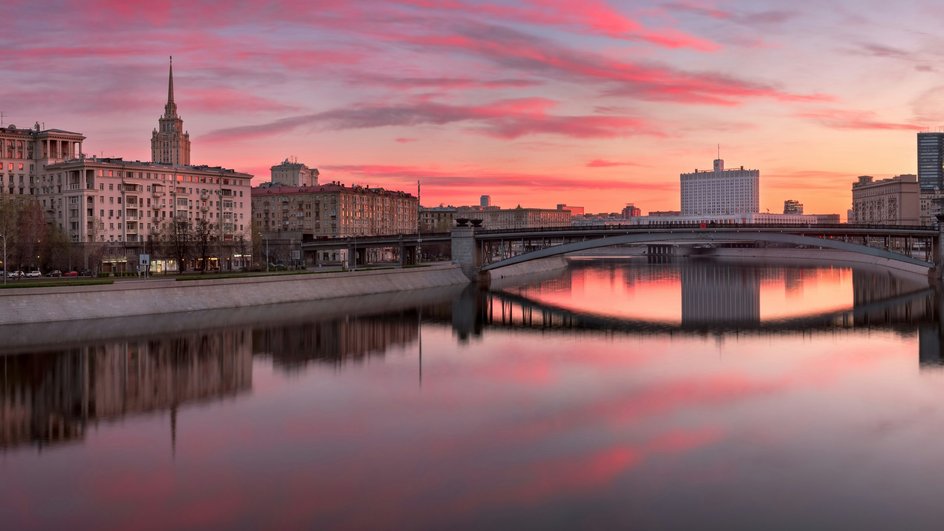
(540, 57)
(600, 163)
(850, 119)
(508, 119)
(216, 100)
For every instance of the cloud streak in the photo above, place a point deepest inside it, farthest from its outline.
(506, 119)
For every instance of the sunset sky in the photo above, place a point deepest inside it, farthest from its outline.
(539, 102)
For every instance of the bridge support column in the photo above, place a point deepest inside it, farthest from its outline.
(465, 253)
(937, 252)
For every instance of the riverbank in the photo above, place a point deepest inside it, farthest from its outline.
(166, 296)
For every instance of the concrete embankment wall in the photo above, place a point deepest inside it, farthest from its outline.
(544, 265)
(130, 298)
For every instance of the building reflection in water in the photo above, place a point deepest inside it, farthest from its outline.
(352, 339)
(719, 293)
(53, 397)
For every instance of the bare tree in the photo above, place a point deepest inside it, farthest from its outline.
(177, 234)
(203, 237)
(94, 248)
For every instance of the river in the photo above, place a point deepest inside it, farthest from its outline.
(615, 394)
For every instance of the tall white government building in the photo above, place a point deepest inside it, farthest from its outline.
(720, 191)
(723, 196)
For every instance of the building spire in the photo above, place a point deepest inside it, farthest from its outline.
(170, 108)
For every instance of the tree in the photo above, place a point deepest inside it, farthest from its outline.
(203, 232)
(94, 248)
(177, 234)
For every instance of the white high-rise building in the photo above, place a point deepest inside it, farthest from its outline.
(720, 191)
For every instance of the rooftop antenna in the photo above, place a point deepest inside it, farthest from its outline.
(719, 151)
(1, 118)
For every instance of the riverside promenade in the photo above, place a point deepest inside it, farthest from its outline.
(169, 296)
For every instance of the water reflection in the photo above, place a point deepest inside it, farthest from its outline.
(52, 397)
(353, 339)
(541, 406)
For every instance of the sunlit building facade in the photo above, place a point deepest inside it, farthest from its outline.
(720, 191)
(894, 201)
(110, 200)
(25, 153)
(333, 210)
(294, 173)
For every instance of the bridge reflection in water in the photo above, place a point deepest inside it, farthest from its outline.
(721, 300)
(55, 396)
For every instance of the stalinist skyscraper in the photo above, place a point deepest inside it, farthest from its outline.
(170, 144)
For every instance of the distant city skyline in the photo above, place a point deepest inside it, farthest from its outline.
(534, 103)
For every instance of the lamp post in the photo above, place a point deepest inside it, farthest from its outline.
(5, 272)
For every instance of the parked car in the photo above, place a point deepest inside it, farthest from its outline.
(34, 274)
(71, 274)
(15, 274)
(54, 273)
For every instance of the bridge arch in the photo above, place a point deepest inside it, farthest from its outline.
(713, 237)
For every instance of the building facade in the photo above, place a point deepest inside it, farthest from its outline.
(574, 210)
(25, 153)
(893, 201)
(333, 210)
(792, 206)
(631, 211)
(128, 204)
(170, 144)
(294, 174)
(753, 218)
(931, 161)
(516, 218)
(720, 191)
(112, 200)
(931, 201)
(437, 219)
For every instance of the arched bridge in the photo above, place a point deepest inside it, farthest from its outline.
(914, 247)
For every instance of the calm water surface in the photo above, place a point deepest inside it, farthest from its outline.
(616, 394)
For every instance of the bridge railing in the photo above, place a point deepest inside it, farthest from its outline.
(714, 225)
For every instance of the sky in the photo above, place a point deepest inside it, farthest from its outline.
(534, 102)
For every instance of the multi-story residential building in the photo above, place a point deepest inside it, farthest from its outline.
(516, 218)
(334, 210)
(127, 203)
(893, 201)
(574, 210)
(291, 173)
(113, 200)
(720, 191)
(24, 154)
(631, 211)
(931, 201)
(792, 206)
(170, 144)
(437, 219)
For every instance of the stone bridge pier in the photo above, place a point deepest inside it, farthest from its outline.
(465, 252)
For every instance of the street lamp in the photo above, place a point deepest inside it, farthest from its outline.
(5, 272)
